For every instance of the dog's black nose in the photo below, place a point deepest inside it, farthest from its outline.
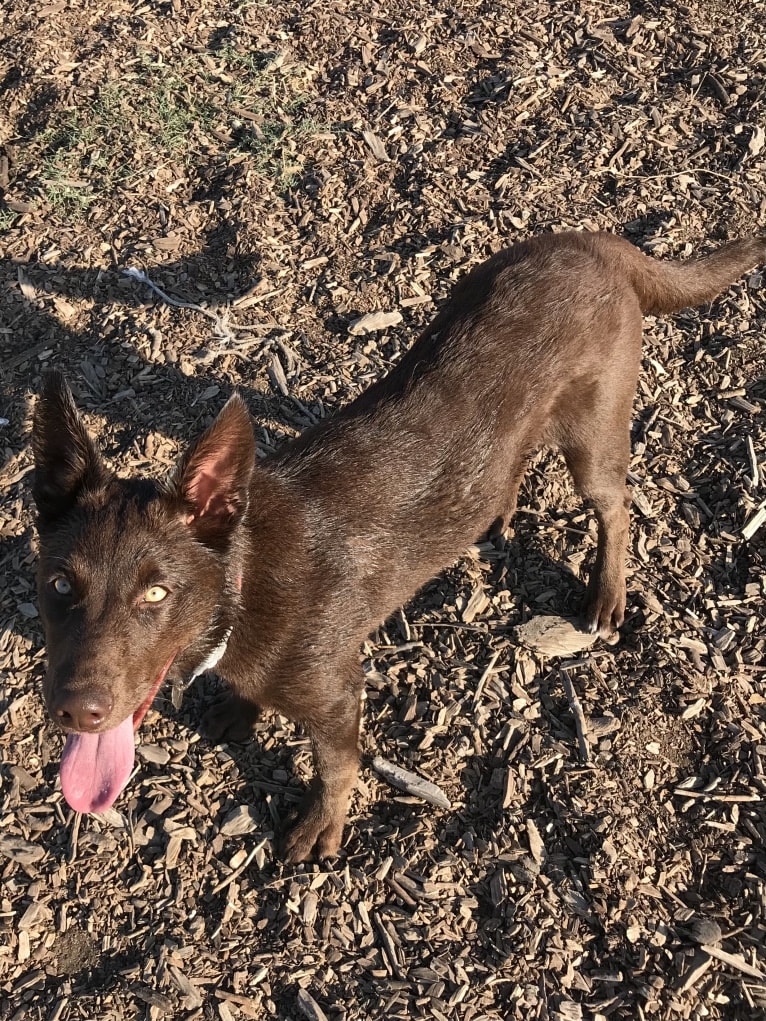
(83, 711)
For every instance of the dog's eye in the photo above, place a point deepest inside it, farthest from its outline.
(155, 594)
(62, 585)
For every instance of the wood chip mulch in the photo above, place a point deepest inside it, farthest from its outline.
(304, 182)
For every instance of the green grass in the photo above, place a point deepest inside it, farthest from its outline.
(130, 128)
(7, 217)
(159, 114)
(275, 148)
(278, 98)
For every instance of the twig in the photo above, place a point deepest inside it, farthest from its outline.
(237, 872)
(734, 961)
(710, 796)
(574, 705)
(73, 838)
(689, 172)
(754, 473)
(224, 328)
(484, 676)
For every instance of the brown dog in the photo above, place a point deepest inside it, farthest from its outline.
(276, 571)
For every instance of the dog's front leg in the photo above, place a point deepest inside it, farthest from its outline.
(230, 718)
(334, 736)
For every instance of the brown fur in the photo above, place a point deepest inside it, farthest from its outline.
(304, 553)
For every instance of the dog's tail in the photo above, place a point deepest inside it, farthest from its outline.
(664, 287)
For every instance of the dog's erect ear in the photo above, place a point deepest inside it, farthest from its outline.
(66, 459)
(213, 477)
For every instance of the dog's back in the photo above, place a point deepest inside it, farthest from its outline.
(541, 344)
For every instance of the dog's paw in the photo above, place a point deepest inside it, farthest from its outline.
(501, 528)
(318, 831)
(230, 719)
(603, 613)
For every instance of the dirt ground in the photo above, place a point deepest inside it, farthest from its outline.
(287, 168)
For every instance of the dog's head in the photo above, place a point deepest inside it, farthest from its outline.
(135, 579)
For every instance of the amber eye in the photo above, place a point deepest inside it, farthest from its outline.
(62, 585)
(155, 594)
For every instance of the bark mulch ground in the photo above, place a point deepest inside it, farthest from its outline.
(280, 171)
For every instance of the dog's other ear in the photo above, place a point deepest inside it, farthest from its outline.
(213, 477)
(66, 459)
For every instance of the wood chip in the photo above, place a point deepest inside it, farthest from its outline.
(697, 968)
(374, 322)
(309, 1007)
(755, 523)
(735, 961)
(20, 850)
(240, 820)
(376, 146)
(410, 783)
(577, 712)
(555, 636)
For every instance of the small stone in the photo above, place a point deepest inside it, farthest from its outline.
(703, 930)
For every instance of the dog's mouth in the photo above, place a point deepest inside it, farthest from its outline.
(95, 767)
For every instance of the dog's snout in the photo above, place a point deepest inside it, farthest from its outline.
(84, 711)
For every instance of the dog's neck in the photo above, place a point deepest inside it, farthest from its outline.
(222, 622)
(213, 657)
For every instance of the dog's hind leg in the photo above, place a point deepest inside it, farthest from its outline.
(597, 453)
(502, 523)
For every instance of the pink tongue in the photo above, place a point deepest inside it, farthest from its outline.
(95, 767)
